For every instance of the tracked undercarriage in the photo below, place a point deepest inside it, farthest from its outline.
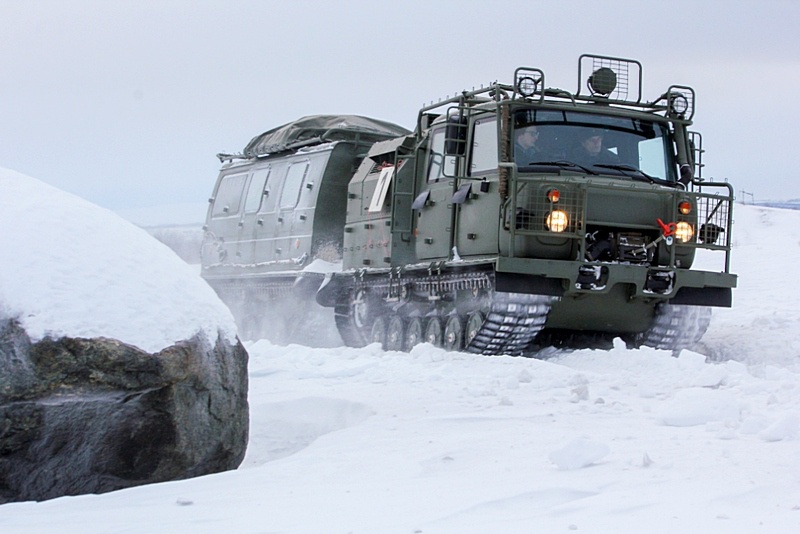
(464, 311)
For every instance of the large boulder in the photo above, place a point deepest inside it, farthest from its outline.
(119, 366)
(95, 415)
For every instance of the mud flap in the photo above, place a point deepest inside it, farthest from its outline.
(306, 285)
(721, 297)
(529, 284)
(331, 289)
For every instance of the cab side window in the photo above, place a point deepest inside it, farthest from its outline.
(651, 157)
(439, 165)
(229, 195)
(484, 146)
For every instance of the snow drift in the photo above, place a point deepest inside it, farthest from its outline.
(118, 365)
(71, 268)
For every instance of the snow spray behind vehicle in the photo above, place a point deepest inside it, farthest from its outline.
(514, 217)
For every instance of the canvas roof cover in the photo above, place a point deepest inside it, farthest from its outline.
(321, 128)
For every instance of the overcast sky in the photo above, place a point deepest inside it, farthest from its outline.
(126, 103)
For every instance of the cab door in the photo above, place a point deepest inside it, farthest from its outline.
(477, 201)
(434, 231)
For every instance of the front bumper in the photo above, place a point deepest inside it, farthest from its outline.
(573, 278)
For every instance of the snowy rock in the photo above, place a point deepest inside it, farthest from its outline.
(73, 269)
(119, 366)
(95, 415)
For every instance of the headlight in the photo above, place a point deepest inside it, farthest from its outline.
(684, 232)
(557, 221)
(679, 103)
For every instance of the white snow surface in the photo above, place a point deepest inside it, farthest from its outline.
(71, 268)
(622, 441)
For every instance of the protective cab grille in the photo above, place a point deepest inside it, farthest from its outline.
(626, 231)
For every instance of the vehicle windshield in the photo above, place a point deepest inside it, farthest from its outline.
(595, 144)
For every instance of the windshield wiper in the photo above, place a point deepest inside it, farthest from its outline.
(640, 174)
(563, 164)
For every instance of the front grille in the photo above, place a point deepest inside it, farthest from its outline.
(607, 245)
(633, 248)
(617, 221)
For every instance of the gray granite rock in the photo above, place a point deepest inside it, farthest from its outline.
(95, 415)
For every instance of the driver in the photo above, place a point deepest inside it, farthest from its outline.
(525, 149)
(591, 150)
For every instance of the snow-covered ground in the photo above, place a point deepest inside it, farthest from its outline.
(622, 441)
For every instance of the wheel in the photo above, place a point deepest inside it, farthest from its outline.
(454, 333)
(352, 317)
(361, 308)
(395, 333)
(378, 332)
(433, 332)
(413, 335)
(474, 324)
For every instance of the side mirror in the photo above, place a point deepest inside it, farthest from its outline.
(686, 174)
(455, 136)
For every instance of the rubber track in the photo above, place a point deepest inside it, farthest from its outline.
(677, 327)
(511, 324)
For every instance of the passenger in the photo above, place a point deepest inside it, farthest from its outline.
(591, 150)
(525, 149)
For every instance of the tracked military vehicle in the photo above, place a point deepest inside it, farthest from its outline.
(514, 217)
